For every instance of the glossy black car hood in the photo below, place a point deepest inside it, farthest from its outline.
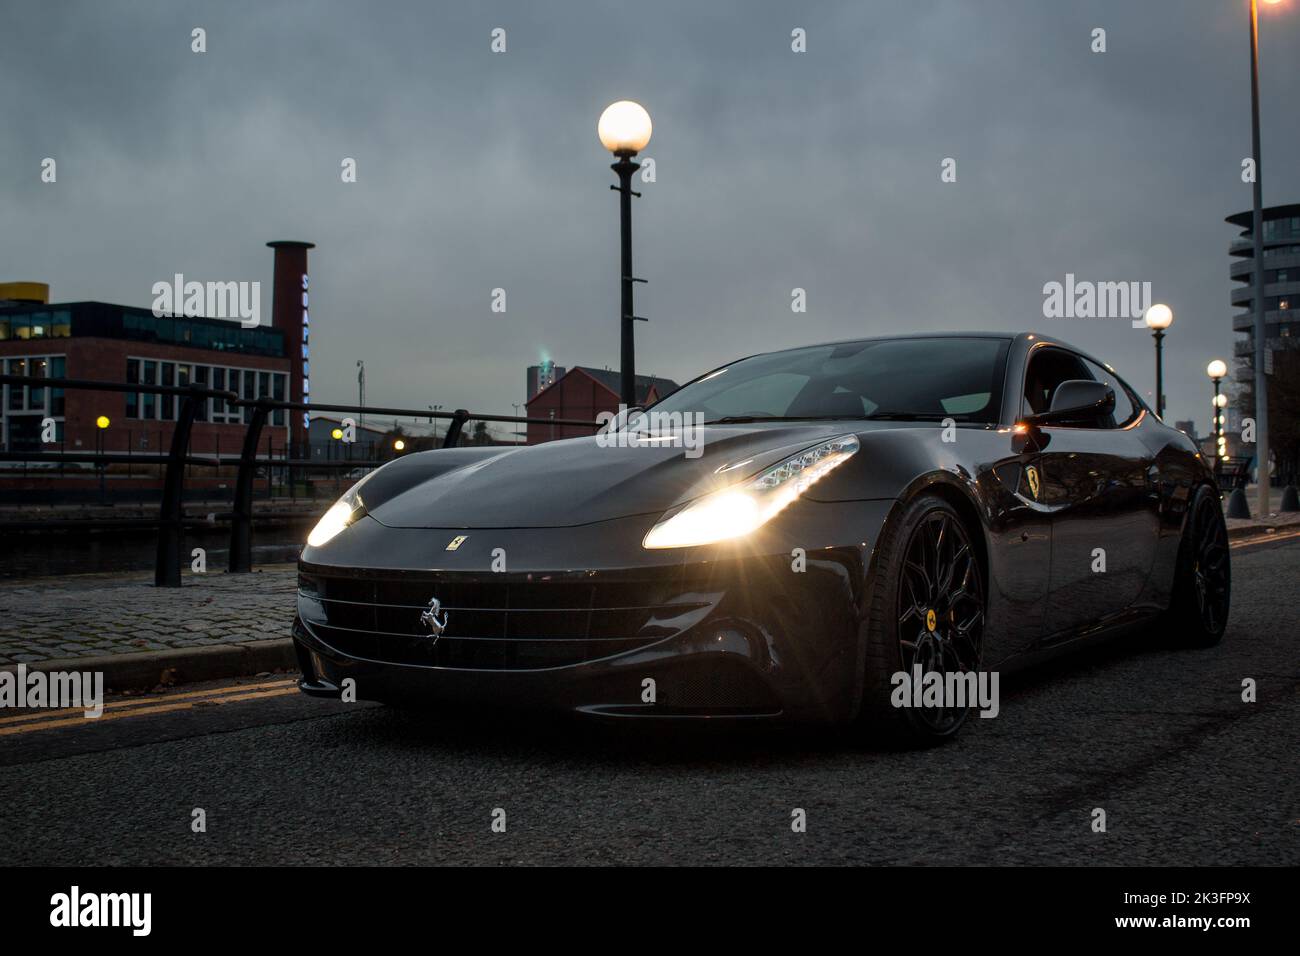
(576, 481)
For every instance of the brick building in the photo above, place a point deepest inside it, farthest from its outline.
(120, 343)
(583, 393)
(101, 341)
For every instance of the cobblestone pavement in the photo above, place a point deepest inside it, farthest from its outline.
(91, 615)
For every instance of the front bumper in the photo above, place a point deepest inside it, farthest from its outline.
(750, 630)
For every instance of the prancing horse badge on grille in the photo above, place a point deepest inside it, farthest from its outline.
(431, 620)
(456, 542)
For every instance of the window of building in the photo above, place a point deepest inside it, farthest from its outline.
(17, 393)
(58, 369)
(149, 400)
(219, 404)
(277, 393)
(200, 378)
(132, 378)
(25, 398)
(167, 403)
(247, 383)
(250, 383)
(232, 385)
(36, 368)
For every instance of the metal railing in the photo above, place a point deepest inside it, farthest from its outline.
(168, 555)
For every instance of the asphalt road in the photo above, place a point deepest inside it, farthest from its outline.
(1160, 739)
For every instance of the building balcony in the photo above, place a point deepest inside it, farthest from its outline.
(1243, 270)
(1243, 296)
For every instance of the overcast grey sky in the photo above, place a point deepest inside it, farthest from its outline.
(775, 170)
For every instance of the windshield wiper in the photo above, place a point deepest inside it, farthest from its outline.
(742, 419)
(873, 417)
(908, 417)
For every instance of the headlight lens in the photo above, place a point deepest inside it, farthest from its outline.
(341, 514)
(740, 509)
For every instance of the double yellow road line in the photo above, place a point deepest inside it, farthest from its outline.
(32, 721)
(1285, 534)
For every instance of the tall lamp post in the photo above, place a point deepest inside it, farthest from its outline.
(1216, 370)
(624, 129)
(1158, 318)
(361, 388)
(1257, 233)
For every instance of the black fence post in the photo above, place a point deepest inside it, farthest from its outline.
(241, 523)
(452, 438)
(167, 563)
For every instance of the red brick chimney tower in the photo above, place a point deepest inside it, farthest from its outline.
(289, 312)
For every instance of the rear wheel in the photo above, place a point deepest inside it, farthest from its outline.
(1198, 608)
(926, 611)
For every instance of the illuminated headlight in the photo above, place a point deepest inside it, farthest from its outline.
(736, 511)
(341, 514)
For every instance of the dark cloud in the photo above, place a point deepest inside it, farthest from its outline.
(775, 170)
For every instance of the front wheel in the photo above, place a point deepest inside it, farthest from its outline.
(1198, 607)
(926, 615)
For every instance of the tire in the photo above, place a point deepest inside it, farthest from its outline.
(1202, 590)
(899, 630)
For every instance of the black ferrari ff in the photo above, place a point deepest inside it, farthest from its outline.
(944, 504)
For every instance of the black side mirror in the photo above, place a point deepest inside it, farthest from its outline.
(1077, 401)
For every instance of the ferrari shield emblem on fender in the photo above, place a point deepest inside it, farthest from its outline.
(1031, 473)
(456, 542)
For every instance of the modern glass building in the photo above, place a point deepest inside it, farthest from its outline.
(1281, 278)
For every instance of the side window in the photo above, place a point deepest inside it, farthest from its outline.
(1125, 410)
(1048, 368)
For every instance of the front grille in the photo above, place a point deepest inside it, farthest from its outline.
(517, 623)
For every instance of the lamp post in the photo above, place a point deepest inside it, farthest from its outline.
(101, 426)
(1257, 234)
(1216, 370)
(361, 388)
(1158, 318)
(1220, 420)
(624, 129)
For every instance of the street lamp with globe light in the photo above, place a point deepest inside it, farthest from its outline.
(624, 129)
(1158, 318)
(1216, 370)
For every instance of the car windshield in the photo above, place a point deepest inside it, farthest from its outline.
(918, 379)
